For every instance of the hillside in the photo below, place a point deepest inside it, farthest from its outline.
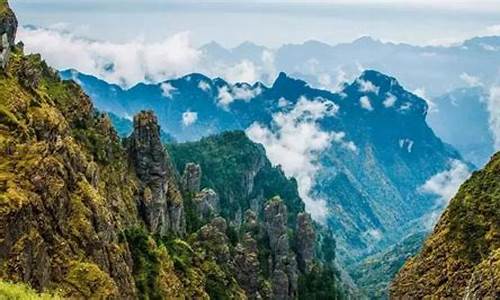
(84, 214)
(461, 258)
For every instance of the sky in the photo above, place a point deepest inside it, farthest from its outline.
(269, 23)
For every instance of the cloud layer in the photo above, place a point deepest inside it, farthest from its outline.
(124, 64)
(444, 185)
(295, 140)
(494, 110)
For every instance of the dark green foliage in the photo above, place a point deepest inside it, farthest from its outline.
(226, 161)
(319, 284)
(146, 263)
(193, 222)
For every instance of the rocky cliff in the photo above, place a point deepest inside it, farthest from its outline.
(86, 215)
(160, 197)
(461, 258)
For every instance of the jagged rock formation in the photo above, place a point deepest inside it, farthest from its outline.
(160, 198)
(371, 185)
(8, 29)
(284, 266)
(191, 178)
(306, 239)
(461, 258)
(244, 179)
(87, 216)
(206, 203)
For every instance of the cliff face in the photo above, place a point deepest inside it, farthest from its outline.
(87, 215)
(65, 193)
(160, 198)
(461, 258)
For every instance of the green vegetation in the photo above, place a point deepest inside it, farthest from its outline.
(461, 256)
(18, 291)
(227, 161)
(320, 283)
(374, 274)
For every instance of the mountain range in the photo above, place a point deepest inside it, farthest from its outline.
(368, 175)
(85, 214)
(200, 188)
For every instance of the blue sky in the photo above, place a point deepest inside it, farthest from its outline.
(270, 23)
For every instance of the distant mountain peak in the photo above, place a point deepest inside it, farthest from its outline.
(284, 81)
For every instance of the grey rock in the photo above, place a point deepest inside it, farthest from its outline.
(306, 238)
(285, 271)
(191, 178)
(206, 203)
(8, 29)
(247, 266)
(160, 199)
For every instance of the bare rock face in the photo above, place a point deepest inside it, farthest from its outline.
(207, 204)
(160, 200)
(306, 238)
(285, 271)
(191, 178)
(8, 29)
(246, 258)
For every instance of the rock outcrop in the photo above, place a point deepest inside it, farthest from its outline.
(191, 178)
(159, 196)
(461, 258)
(206, 203)
(284, 266)
(305, 240)
(8, 29)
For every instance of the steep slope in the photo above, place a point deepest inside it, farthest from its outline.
(65, 191)
(369, 175)
(88, 216)
(461, 258)
(239, 171)
(374, 274)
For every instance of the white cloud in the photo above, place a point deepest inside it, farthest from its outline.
(444, 185)
(366, 86)
(204, 86)
(282, 102)
(365, 103)
(389, 100)
(295, 141)
(125, 64)
(243, 92)
(471, 81)
(339, 137)
(268, 66)
(167, 89)
(420, 92)
(244, 71)
(493, 105)
(493, 29)
(225, 97)
(189, 118)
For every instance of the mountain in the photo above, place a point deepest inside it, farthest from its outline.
(461, 258)
(85, 214)
(438, 69)
(375, 273)
(461, 119)
(370, 174)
